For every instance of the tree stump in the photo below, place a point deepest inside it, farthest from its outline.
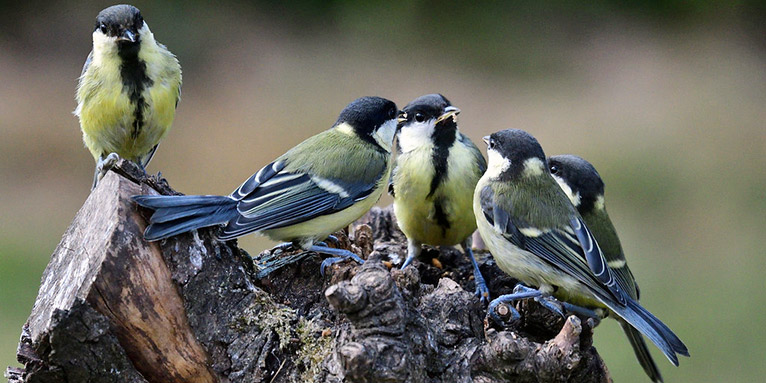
(115, 308)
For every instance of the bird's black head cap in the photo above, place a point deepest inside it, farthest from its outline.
(581, 177)
(426, 107)
(517, 146)
(122, 21)
(367, 114)
(431, 107)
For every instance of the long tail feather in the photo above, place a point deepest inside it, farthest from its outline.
(642, 352)
(646, 323)
(174, 215)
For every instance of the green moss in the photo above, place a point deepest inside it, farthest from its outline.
(314, 349)
(268, 316)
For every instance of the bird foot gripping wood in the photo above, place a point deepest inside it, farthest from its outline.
(189, 308)
(402, 331)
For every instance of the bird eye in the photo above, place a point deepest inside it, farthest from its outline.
(419, 117)
(392, 113)
(554, 169)
(102, 28)
(491, 143)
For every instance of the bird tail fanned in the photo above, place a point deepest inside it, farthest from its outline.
(642, 352)
(174, 215)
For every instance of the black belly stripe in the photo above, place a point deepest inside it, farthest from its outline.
(443, 137)
(134, 81)
(441, 216)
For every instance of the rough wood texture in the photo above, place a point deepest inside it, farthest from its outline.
(114, 308)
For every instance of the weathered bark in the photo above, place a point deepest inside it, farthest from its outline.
(115, 308)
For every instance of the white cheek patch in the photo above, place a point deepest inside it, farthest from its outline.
(573, 197)
(496, 164)
(144, 29)
(416, 135)
(147, 37)
(533, 167)
(102, 45)
(385, 134)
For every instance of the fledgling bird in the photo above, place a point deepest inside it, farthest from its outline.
(314, 189)
(537, 236)
(128, 90)
(585, 189)
(436, 171)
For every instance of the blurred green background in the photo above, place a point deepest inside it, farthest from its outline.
(667, 99)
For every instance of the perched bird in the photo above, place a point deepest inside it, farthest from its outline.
(585, 189)
(316, 188)
(537, 236)
(128, 91)
(436, 170)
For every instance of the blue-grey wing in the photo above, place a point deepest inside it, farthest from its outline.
(391, 189)
(564, 249)
(481, 163)
(595, 258)
(575, 255)
(261, 176)
(286, 199)
(87, 63)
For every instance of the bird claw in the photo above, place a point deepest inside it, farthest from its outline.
(104, 164)
(547, 301)
(554, 305)
(500, 309)
(335, 241)
(102, 167)
(328, 262)
(340, 255)
(482, 291)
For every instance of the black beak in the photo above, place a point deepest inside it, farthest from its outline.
(127, 35)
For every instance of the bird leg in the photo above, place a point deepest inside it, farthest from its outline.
(482, 291)
(545, 300)
(340, 255)
(508, 299)
(330, 238)
(413, 251)
(103, 165)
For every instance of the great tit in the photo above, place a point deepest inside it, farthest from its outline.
(437, 168)
(585, 189)
(314, 189)
(537, 236)
(128, 90)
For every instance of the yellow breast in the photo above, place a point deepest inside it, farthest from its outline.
(416, 211)
(108, 115)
